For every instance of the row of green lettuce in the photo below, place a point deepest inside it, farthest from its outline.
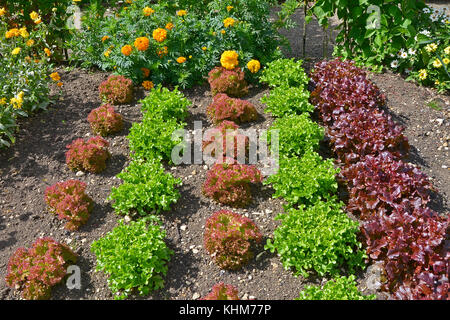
(315, 236)
(135, 255)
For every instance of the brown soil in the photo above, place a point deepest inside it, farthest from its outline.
(37, 160)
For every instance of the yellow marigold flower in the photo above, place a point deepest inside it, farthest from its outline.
(204, 48)
(222, 31)
(254, 66)
(229, 59)
(229, 22)
(142, 43)
(147, 85)
(169, 26)
(181, 60)
(423, 74)
(160, 34)
(34, 15)
(2, 101)
(446, 61)
(447, 50)
(148, 11)
(107, 53)
(104, 38)
(162, 52)
(126, 50)
(181, 13)
(229, 8)
(30, 42)
(24, 33)
(48, 52)
(16, 51)
(17, 100)
(38, 21)
(437, 82)
(431, 47)
(2, 11)
(14, 32)
(129, 1)
(145, 72)
(437, 63)
(55, 76)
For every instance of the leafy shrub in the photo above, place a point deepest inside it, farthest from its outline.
(185, 47)
(104, 120)
(383, 184)
(319, 237)
(304, 180)
(224, 141)
(133, 256)
(165, 103)
(297, 135)
(229, 183)
(88, 155)
(341, 87)
(221, 291)
(228, 237)
(340, 288)
(152, 138)
(24, 80)
(116, 90)
(230, 82)
(146, 188)
(226, 108)
(366, 132)
(35, 270)
(285, 73)
(69, 201)
(283, 101)
(410, 242)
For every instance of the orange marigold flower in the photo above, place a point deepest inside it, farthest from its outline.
(2, 11)
(30, 42)
(126, 50)
(145, 72)
(204, 48)
(229, 8)
(105, 38)
(142, 43)
(48, 52)
(169, 26)
(229, 22)
(162, 52)
(147, 85)
(14, 32)
(148, 11)
(181, 13)
(55, 76)
(160, 34)
(34, 15)
(59, 84)
(38, 21)
(222, 31)
(181, 60)
(229, 59)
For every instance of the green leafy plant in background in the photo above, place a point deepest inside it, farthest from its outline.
(165, 103)
(134, 257)
(304, 180)
(339, 288)
(146, 188)
(319, 238)
(297, 135)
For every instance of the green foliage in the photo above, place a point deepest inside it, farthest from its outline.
(152, 138)
(166, 104)
(318, 238)
(285, 72)
(146, 188)
(297, 135)
(285, 100)
(252, 37)
(304, 180)
(133, 256)
(340, 288)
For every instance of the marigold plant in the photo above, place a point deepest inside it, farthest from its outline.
(229, 59)
(232, 82)
(221, 291)
(160, 34)
(88, 155)
(229, 183)
(116, 90)
(104, 120)
(69, 201)
(142, 43)
(35, 270)
(226, 108)
(228, 239)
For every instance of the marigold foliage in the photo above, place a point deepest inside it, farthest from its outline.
(221, 291)
(228, 237)
(229, 183)
(35, 270)
(116, 90)
(225, 108)
(104, 120)
(88, 155)
(69, 201)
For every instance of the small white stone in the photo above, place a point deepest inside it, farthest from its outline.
(83, 240)
(127, 219)
(444, 166)
(245, 296)
(195, 296)
(251, 298)
(79, 173)
(440, 121)
(250, 277)
(194, 251)
(268, 211)
(205, 167)
(68, 240)
(183, 227)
